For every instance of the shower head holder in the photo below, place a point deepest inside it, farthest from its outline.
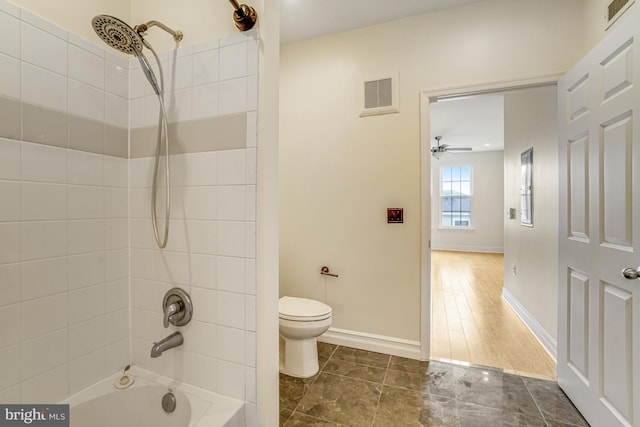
(142, 28)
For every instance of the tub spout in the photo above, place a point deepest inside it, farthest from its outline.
(173, 340)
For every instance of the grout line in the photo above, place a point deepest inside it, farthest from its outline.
(288, 418)
(384, 380)
(307, 387)
(535, 401)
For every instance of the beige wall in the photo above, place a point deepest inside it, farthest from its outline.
(340, 172)
(199, 20)
(530, 121)
(595, 20)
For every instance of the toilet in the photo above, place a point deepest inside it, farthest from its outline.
(301, 322)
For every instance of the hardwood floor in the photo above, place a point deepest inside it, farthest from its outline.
(471, 322)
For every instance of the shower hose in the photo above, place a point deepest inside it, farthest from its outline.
(162, 130)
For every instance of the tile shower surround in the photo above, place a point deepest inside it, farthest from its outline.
(77, 256)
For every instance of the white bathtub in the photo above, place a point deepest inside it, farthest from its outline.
(102, 405)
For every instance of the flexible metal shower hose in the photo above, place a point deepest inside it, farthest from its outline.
(162, 129)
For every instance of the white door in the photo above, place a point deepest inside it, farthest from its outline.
(599, 309)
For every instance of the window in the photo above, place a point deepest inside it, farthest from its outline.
(455, 195)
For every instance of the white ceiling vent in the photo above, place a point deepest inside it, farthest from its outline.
(379, 95)
(616, 8)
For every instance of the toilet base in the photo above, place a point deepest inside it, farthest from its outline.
(300, 357)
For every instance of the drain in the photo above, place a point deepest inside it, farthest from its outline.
(169, 402)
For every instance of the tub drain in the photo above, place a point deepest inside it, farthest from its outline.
(169, 402)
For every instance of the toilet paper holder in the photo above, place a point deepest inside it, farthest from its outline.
(325, 271)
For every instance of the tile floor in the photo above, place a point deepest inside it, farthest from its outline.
(360, 388)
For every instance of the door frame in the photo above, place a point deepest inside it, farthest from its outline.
(426, 98)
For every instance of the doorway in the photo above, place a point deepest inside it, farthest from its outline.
(479, 297)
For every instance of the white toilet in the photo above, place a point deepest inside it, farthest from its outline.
(301, 322)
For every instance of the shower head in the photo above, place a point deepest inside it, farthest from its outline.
(117, 34)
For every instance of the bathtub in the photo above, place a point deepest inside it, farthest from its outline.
(102, 405)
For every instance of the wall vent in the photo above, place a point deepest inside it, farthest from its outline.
(616, 8)
(379, 96)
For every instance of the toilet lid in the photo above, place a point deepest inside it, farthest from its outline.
(303, 309)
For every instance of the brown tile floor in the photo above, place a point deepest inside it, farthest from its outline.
(360, 388)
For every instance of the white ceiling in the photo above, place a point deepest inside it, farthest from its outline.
(472, 121)
(306, 19)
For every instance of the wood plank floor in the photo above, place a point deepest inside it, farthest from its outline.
(471, 322)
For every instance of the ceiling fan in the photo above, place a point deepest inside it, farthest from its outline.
(441, 149)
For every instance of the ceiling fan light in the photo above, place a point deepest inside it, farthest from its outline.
(438, 154)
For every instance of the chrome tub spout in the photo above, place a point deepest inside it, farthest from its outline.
(173, 340)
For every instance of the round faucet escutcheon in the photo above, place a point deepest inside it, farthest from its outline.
(177, 307)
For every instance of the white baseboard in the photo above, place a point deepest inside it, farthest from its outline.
(457, 248)
(370, 342)
(536, 328)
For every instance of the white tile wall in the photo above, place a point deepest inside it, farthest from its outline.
(44, 277)
(77, 257)
(233, 61)
(205, 101)
(233, 96)
(116, 111)
(52, 386)
(86, 370)
(87, 67)
(9, 35)
(213, 211)
(10, 84)
(10, 359)
(44, 240)
(10, 242)
(206, 67)
(117, 75)
(10, 159)
(44, 49)
(42, 201)
(10, 280)
(43, 87)
(10, 208)
(207, 80)
(64, 257)
(86, 101)
(43, 163)
(44, 353)
(11, 332)
(86, 270)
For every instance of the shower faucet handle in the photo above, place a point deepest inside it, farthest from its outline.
(177, 308)
(170, 311)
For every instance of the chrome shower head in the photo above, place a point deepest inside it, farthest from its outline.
(117, 34)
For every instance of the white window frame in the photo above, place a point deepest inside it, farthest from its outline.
(442, 195)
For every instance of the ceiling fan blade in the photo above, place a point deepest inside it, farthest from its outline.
(459, 149)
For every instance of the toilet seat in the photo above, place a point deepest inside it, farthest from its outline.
(303, 310)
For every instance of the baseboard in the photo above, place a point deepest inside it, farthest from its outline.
(457, 248)
(371, 342)
(536, 328)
